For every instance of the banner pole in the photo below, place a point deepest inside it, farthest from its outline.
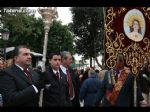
(135, 92)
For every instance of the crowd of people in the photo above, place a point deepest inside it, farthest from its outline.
(63, 86)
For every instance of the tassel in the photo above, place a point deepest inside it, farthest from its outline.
(109, 78)
(113, 77)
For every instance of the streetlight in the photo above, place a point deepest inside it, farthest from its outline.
(48, 15)
(4, 34)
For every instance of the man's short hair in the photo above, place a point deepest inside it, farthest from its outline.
(16, 50)
(64, 54)
(97, 71)
(50, 56)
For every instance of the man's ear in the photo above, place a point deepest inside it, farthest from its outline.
(15, 57)
(49, 60)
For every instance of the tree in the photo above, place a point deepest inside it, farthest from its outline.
(60, 38)
(26, 29)
(88, 28)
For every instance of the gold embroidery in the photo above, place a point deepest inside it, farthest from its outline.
(118, 86)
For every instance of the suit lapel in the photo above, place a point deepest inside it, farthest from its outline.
(52, 73)
(21, 74)
(34, 75)
(62, 74)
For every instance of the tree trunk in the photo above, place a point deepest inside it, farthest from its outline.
(98, 62)
(102, 66)
(90, 61)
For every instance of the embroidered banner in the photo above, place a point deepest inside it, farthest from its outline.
(113, 95)
(127, 32)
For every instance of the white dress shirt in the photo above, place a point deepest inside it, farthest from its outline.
(63, 69)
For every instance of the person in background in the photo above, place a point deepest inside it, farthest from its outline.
(9, 62)
(56, 93)
(2, 65)
(85, 74)
(72, 78)
(101, 74)
(81, 74)
(97, 71)
(89, 89)
(19, 84)
(118, 87)
(144, 81)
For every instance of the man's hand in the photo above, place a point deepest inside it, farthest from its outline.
(40, 83)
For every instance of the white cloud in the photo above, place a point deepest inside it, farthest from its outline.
(64, 14)
(78, 57)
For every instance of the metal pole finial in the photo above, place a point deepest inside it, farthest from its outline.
(48, 15)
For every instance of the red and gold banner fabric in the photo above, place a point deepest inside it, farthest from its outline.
(127, 32)
(113, 95)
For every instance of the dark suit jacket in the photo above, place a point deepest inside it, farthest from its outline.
(76, 85)
(16, 88)
(56, 91)
(126, 95)
(143, 82)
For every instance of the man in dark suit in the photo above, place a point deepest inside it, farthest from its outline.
(19, 84)
(144, 81)
(118, 87)
(72, 78)
(56, 90)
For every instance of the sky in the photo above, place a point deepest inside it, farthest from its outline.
(64, 14)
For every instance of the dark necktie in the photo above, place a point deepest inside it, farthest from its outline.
(70, 84)
(28, 75)
(57, 75)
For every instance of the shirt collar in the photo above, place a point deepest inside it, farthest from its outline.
(20, 67)
(63, 69)
(55, 71)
